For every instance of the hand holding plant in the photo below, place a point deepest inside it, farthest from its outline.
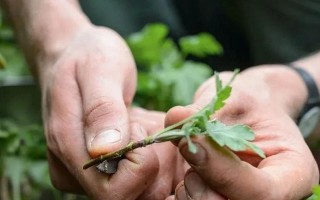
(236, 137)
(289, 170)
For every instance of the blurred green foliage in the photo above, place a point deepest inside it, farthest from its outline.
(316, 193)
(166, 77)
(23, 160)
(12, 62)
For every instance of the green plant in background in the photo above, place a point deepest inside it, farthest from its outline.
(2, 60)
(23, 165)
(10, 54)
(166, 78)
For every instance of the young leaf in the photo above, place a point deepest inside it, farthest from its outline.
(187, 128)
(221, 97)
(236, 137)
(201, 45)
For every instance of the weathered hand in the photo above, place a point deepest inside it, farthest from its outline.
(262, 99)
(86, 89)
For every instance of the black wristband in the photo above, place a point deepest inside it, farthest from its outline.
(313, 92)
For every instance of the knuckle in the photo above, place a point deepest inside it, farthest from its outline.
(101, 108)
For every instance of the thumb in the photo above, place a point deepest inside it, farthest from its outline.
(105, 116)
(222, 171)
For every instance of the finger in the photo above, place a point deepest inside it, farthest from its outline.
(135, 173)
(224, 172)
(180, 192)
(151, 121)
(65, 139)
(163, 183)
(178, 113)
(60, 176)
(170, 197)
(197, 189)
(104, 107)
(162, 186)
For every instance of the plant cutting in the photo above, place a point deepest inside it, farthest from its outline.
(236, 137)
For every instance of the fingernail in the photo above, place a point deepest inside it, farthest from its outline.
(105, 138)
(197, 159)
(194, 185)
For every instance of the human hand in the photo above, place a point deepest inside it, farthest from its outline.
(86, 90)
(268, 104)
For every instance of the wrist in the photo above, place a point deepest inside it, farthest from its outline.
(43, 27)
(50, 33)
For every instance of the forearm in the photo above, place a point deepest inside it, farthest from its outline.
(43, 27)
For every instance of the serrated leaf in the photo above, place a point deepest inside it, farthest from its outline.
(200, 45)
(223, 95)
(236, 137)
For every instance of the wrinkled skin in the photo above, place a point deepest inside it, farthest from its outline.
(86, 90)
(289, 170)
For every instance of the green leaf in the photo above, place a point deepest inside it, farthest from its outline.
(236, 137)
(221, 97)
(200, 45)
(15, 64)
(3, 134)
(147, 45)
(188, 128)
(184, 81)
(316, 193)
(316, 190)
(170, 55)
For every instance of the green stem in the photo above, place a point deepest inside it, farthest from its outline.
(131, 146)
(167, 134)
(162, 136)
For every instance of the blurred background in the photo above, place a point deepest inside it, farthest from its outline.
(23, 167)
